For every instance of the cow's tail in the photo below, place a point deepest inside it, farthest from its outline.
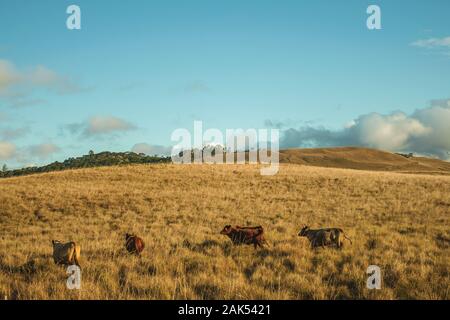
(139, 246)
(261, 230)
(75, 255)
(261, 233)
(345, 236)
(75, 259)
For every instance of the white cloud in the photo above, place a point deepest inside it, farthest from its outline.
(7, 150)
(44, 150)
(100, 126)
(8, 75)
(104, 125)
(432, 43)
(437, 141)
(17, 87)
(388, 132)
(10, 134)
(426, 131)
(151, 149)
(46, 78)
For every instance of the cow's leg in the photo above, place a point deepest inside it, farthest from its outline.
(70, 256)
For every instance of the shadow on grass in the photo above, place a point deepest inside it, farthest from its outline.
(208, 291)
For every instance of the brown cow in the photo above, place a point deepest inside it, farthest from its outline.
(245, 235)
(134, 244)
(324, 237)
(66, 253)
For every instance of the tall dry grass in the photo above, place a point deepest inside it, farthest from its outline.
(396, 221)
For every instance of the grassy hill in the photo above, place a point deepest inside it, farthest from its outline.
(396, 221)
(363, 159)
(344, 157)
(91, 160)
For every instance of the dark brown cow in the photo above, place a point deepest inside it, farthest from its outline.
(134, 244)
(245, 235)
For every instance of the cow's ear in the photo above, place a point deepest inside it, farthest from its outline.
(53, 241)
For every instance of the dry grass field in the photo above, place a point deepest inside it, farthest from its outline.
(364, 159)
(400, 222)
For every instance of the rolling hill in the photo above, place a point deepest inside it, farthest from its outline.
(341, 157)
(363, 159)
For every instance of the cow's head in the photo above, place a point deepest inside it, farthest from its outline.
(302, 232)
(226, 230)
(128, 236)
(55, 242)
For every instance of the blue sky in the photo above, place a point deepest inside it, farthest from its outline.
(137, 70)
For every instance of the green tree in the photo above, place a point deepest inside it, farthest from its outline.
(5, 168)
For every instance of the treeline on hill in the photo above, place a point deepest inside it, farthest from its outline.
(89, 161)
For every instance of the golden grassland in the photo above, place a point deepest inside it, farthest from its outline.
(399, 222)
(364, 159)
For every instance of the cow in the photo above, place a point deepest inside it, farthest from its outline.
(245, 235)
(134, 244)
(66, 253)
(324, 237)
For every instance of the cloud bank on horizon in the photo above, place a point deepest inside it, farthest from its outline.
(425, 132)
